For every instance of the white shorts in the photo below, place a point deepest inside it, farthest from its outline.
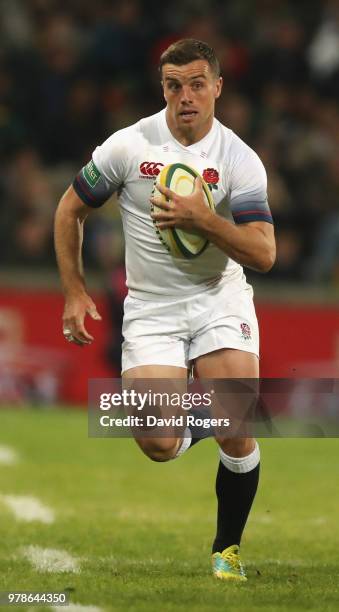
(175, 332)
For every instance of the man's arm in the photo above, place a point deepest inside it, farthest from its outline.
(249, 244)
(68, 235)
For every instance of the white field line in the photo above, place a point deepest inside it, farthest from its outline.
(51, 560)
(27, 508)
(8, 456)
(77, 608)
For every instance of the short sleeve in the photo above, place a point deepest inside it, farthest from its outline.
(104, 174)
(248, 188)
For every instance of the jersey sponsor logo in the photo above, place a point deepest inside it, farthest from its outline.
(245, 331)
(150, 169)
(91, 174)
(211, 176)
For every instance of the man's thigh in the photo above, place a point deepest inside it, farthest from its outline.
(237, 398)
(227, 363)
(158, 443)
(155, 360)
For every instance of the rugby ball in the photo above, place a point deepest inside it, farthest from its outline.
(180, 179)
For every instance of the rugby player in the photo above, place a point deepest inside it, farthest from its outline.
(181, 311)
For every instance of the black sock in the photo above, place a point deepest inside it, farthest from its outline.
(235, 493)
(198, 431)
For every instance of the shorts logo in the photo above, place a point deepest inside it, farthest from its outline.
(211, 176)
(91, 173)
(150, 169)
(245, 331)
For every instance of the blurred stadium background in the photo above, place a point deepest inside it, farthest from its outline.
(71, 74)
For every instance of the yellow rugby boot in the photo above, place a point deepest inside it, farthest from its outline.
(227, 565)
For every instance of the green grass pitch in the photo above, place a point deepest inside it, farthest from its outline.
(142, 531)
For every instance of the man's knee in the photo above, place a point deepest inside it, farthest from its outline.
(159, 450)
(236, 447)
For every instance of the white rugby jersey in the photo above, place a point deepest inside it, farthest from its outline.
(128, 162)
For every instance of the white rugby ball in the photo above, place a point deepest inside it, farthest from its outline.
(180, 179)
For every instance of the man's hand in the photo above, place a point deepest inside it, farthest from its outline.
(76, 308)
(249, 244)
(186, 212)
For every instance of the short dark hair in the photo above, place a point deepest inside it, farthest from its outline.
(188, 50)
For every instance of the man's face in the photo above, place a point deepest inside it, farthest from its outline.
(190, 92)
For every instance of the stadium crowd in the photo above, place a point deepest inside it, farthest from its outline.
(72, 72)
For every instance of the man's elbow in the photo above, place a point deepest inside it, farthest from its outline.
(267, 260)
(71, 207)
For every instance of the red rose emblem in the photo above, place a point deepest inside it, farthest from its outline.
(246, 331)
(211, 176)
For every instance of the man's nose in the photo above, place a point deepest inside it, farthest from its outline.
(186, 94)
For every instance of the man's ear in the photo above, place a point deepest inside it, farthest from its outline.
(163, 90)
(218, 87)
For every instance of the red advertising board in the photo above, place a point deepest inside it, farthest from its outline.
(296, 341)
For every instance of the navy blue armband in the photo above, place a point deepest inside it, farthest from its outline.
(91, 187)
(252, 210)
(252, 215)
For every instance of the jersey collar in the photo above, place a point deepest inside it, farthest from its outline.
(197, 147)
